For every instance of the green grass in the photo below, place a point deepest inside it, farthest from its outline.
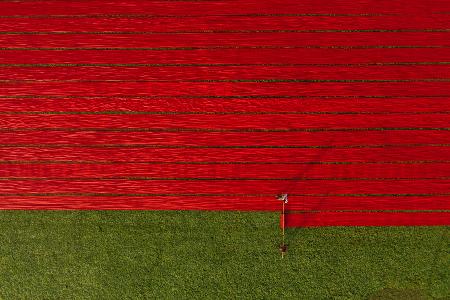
(213, 255)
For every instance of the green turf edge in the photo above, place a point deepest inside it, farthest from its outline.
(213, 255)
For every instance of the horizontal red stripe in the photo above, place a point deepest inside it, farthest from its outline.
(220, 203)
(241, 155)
(223, 121)
(224, 89)
(399, 105)
(228, 73)
(229, 23)
(318, 187)
(228, 39)
(222, 7)
(367, 203)
(293, 171)
(140, 203)
(368, 219)
(228, 138)
(306, 56)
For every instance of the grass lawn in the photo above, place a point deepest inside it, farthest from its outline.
(198, 255)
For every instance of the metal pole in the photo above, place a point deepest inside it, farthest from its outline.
(283, 224)
(284, 199)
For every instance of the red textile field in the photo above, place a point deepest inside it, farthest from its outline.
(221, 105)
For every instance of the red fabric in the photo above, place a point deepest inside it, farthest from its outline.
(223, 7)
(368, 219)
(221, 105)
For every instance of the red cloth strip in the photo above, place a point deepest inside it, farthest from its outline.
(224, 7)
(170, 24)
(180, 73)
(137, 154)
(244, 203)
(228, 122)
(253, 105)
(335, 59)
(225, 88)
(295, 170)
(228, 39)
(267, 187)
(294, 139)
(312, 219)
